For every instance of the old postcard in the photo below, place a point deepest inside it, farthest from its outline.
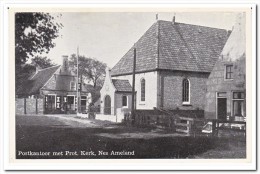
(144, 87)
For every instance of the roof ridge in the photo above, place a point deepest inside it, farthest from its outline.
(49, 67)
(195, 25)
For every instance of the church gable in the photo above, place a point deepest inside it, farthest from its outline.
(174, 46)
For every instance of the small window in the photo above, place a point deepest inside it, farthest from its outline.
(72, 86)
(186, 91)
(124, 101)
(143, 90)
(229, 71)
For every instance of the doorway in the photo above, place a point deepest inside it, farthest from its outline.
(222, 108)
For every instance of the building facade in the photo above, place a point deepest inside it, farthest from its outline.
(173, 63)
(226, 86)
(58, 86)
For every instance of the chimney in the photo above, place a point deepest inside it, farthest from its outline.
(173, 20)
(65, 63)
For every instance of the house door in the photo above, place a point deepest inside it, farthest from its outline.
(107, 109)
(222, 108)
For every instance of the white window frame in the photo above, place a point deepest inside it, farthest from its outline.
(232, 104)
(186, 102)
(225, 72)
(84, 99)
(126, 101)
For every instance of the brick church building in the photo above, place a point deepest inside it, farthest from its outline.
(173, 63)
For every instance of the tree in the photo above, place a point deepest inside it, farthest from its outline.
(42, 62)
(90, 69)
(34, 33)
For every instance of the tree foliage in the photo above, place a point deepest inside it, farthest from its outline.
(42, 62)
(90, 69)
(34, 33)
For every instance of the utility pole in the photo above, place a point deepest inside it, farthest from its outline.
(78, 100)
(133, 89)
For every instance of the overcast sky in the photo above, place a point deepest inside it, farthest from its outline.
(108, 36)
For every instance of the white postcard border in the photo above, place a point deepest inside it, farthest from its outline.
(135, 164)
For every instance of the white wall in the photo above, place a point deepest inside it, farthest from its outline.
(150, 89)
(107, 89)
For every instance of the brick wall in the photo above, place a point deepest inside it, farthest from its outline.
(217, 83)
(28, 106)
(171, 89)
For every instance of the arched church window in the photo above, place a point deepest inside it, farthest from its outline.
(142, 89)
(186, 91)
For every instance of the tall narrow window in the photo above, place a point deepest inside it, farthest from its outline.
(238, 103)
(229, 71)
(124, 101)
(186, 91)
(142, 90)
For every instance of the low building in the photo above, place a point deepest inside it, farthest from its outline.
(226, 86)
(57, 86)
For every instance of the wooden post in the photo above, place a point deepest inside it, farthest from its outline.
(214, 127)
(36, 107)
(24, 105)
(133, 89)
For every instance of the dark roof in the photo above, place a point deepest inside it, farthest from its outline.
(122, 85)
(175, 46)
(33, 85)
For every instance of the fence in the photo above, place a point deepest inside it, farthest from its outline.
(223, 125)
(29, 106)
(192, 125)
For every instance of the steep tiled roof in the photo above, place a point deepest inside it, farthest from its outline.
(175, 46)
(122, 85)
(33, 85)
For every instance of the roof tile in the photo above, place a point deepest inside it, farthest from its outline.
(175, 46)
(122, 85)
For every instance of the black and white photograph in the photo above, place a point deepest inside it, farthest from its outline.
(131, 84)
